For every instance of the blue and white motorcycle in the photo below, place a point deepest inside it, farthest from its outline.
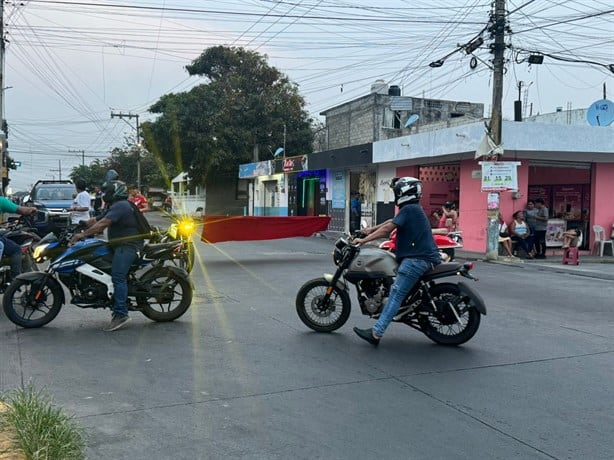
(33, 299)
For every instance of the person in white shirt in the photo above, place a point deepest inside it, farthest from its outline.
(80, 209)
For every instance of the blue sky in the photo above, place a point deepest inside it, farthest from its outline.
(70, 63)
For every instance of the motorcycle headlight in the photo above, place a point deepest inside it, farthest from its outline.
(186, 227)
(39, 252)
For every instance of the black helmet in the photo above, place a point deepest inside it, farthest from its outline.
(111, 175)
(114, 190)
(449, 205)
(406, 190)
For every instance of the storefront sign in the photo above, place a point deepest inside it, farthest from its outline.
(249, 170)
(291, 164)
(499, 176)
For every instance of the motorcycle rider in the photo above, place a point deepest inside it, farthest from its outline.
(416, 251)
(124, 238)
(8, 247)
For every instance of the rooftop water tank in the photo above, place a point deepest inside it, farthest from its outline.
(379, 87)
(394, 90)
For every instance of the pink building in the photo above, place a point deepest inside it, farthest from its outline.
(570, 166)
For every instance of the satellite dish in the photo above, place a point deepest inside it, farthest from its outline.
(600, 113)
(278, 151)
(411, 120)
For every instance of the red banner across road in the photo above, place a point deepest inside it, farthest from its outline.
(245, 228)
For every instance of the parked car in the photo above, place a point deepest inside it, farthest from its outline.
(54, 197)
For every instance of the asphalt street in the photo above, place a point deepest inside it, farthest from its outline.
(240, 377)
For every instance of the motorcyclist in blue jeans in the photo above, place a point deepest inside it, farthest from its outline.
(416, 250)
(124, 238)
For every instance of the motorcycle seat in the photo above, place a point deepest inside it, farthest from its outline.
(443, 268)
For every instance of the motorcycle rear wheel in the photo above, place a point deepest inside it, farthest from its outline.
(22, 309)
(319, 317)
(442, 326)
(169, 295)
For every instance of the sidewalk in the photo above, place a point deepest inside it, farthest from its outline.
(590, 265)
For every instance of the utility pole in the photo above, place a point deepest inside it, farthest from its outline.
(498, 32)
(4, 170)
(59, 170)
(138, 142)
(82, 152)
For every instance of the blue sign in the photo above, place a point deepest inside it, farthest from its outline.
(338, 200)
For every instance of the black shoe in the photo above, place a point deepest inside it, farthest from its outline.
(367, 334)
(540, 256)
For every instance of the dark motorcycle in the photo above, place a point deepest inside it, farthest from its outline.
(162, 293)
(21, 232)
(447, 313)
(180, 230)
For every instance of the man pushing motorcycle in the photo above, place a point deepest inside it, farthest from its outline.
(416, 251)
(125, 238)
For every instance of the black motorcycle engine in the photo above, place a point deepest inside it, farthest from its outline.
(86, 291)
(373, 295)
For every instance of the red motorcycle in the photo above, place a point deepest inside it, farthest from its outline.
(446, 242)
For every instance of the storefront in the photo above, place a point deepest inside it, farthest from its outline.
(348, 170)
(566, 191)
(572, 166)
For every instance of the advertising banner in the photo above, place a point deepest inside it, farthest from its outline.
(499, 176)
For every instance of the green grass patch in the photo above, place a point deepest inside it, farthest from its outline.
(41, 430)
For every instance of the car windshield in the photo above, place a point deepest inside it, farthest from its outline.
(55, 193)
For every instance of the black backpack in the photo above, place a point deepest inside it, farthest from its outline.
(141, 222)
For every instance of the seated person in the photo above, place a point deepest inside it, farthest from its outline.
(504, 238)
(519, 230)
(570, 238)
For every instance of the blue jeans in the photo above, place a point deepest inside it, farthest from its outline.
(408, 274)
(123, 257)
(12, 251)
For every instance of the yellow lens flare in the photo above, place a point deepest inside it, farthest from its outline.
(186, 226)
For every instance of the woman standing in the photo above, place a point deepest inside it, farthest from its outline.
(529, 213)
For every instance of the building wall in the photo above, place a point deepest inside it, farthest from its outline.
(371, 118)
(602, 191)
(222, 199)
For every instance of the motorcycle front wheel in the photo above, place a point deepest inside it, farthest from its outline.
(169, 294)
(456, 319)
(317, 314)
(32, 303)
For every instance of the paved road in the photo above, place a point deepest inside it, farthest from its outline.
(240, 377)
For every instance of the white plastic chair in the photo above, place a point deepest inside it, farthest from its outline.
(601, 240)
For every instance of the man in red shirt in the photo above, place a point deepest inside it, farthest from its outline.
(138, 199)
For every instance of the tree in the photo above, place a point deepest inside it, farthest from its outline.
(154, 173)
(238, 116)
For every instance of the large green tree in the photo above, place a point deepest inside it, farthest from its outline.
(239, 115)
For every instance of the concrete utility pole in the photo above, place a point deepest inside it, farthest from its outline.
(4, 171)
(138, 143)
(82, 152)
(59, 170)
(498, 32)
